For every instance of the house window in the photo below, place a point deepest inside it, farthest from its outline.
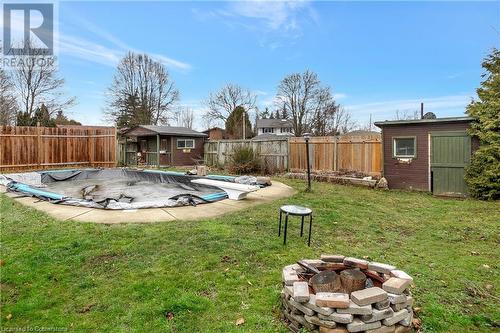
(185, 144)
(268, 130)
(404, 147)
(286, 130)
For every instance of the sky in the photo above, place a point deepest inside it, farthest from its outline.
(378, 57)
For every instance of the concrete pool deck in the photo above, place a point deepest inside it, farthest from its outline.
(150, 215)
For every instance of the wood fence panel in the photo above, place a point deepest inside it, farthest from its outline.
(342, 153)
(25, 148)
(273, 153)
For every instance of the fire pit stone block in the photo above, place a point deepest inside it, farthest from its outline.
(382, 305)
(326, 311)
(355, 262)
(332, 300)
(397, 317)
(383, 329)
(396, 285)
(336, 258)
(377, 315)
(368, 296)
(355, 309)
(341, 318)
(301, 292)
(320, 322)
(401, 275)
(380, 267)
(358, 325)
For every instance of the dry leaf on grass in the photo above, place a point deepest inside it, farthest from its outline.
(240, 321)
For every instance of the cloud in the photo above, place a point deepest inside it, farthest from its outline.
(338, 96)
(442, 106)
(277, 23)
(94, 51)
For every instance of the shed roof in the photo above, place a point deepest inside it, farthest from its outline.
(422, 121)
(276, 123)
(169, 130)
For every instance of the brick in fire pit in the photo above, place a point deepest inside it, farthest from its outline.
(381, 305)
(368, 296)
(333, 258)
(332, 300)
(396, 299)
(355, 262)
(355, 309)
(300, 307)
(402, 275)
(396, 285)
(380, 267)
(358, 325)
(320, 322)
(398, 316)
(341, 318)
(321, 310)
(377, 315)
(289, 276)
(301, 292)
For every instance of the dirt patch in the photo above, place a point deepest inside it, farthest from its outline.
(104, 259)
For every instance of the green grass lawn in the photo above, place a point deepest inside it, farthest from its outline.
(125, 278)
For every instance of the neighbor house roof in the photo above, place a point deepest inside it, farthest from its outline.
(422, 121)
(276, 123)
(164, 130)
(213, 128)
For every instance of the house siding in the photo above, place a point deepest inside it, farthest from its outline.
(414, 176)
(181, 158)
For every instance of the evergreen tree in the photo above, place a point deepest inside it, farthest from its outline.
(61, 119)
(265, 114)
(483, 174)
(277, 116)
(284, 112)
(234, 124)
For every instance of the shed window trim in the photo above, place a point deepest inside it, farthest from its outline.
(185, 143)
(395, 153)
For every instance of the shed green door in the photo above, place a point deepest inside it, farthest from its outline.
(450, 154)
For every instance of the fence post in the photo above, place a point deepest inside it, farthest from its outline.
(335, 152)
(39, 146)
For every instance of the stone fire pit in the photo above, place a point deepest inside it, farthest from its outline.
(337, 294)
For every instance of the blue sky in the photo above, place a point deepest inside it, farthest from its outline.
(377, 57)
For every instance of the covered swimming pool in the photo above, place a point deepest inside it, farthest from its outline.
(117, 188)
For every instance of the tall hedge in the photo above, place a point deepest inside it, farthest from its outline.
(483, 174)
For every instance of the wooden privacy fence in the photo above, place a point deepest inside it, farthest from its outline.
(338, 153)
(23, 147)
(273, 153)
(341, 153)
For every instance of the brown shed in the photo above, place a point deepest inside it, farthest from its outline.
(427, 154)
(162, 146)
(216, 133)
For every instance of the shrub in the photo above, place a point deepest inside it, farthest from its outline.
(483, 174)
(244, 161)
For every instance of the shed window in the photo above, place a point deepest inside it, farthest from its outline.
(404, 147)
(185, 143)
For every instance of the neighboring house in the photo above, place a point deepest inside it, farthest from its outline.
(427, 154)
(274, 127)
(216, 133)
(162, 145)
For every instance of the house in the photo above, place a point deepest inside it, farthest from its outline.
(274, 128)
(216, 133)
(427, 154)
(162, 145)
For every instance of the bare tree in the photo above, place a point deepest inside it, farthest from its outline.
(310, 105)
(221, 103)
(407, 115)
(36, 82)
(149, 81)
(184, 117)
(343, 122)
(8, 104)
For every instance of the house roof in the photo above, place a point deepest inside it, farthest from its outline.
(212, 128)
(422, 121)
(276, 123)
(169, 130)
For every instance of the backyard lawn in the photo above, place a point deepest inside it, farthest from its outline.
(201, 276)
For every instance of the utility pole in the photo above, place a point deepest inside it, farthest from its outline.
(244, 127)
